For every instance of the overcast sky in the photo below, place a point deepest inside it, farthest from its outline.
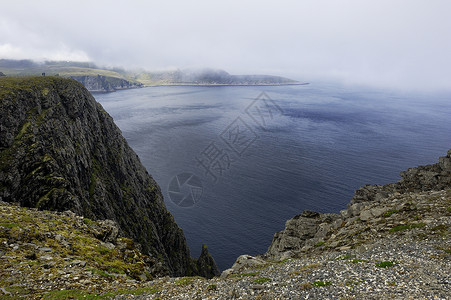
(389, 43)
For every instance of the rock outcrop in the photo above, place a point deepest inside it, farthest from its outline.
(102, 83)
(59, 150)
(311, 230)
(206, 265)
(66, 246)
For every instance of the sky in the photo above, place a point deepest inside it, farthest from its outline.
(402, 44)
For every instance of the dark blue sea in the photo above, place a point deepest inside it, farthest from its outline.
(234, 163)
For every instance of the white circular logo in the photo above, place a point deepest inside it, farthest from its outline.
(185, 189)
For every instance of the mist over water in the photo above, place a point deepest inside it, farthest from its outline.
(323, 143)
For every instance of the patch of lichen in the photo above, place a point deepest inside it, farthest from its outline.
(25, 232)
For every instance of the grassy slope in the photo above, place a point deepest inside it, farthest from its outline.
(64, 70)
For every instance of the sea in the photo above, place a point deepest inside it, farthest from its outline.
(235, 162)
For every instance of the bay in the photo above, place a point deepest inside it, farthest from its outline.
(258, 156)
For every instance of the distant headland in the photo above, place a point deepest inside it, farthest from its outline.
(100, 79)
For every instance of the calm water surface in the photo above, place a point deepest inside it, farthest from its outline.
(266, 160)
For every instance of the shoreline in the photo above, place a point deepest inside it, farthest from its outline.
(227, 84)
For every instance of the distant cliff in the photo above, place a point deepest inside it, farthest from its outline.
(101, 79)
(215, 77)
(59, 150)
(102, 83)
(94, 78)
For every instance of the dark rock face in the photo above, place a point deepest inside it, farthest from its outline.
(59, 150)
(206, 265)
(102, 83)
(423, 178)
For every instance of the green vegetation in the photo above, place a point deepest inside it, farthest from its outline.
(8, 225)
(322, 283)
(385, 264)
(187, 280)
(319, 244)
(261, 280)
(101, 273)
(390, 212)
(12, 86)
(212, 287)
(344, 257)
(440, 230)
(74, 294)
(28, 225)
(88, 222)
(406, 227)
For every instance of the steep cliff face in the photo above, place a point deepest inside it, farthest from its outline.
(59, 150)
(101, 83)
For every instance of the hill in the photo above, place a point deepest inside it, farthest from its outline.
(59, 150)
(97, 79)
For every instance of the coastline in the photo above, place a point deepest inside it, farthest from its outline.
(226, 84)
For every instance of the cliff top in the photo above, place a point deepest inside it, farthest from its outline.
(11, 85)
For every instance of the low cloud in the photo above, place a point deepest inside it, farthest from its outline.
(402, 44)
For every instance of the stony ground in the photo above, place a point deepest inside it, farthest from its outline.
(404, 253)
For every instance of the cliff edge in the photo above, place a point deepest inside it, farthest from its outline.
(59, 150)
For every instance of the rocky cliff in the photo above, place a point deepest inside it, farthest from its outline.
(59, 150)
(102, 83)
(311, 230)
(216, 77)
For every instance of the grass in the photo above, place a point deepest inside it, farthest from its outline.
(321, 283)
(101, 273)
(441, 227)
(8, 225)
(187, 280)
(406, 227)
(390, 212)
(88, 222)
(344, 257)
(319, 244)
(385, 264)
(74, 294)
(261, 280)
